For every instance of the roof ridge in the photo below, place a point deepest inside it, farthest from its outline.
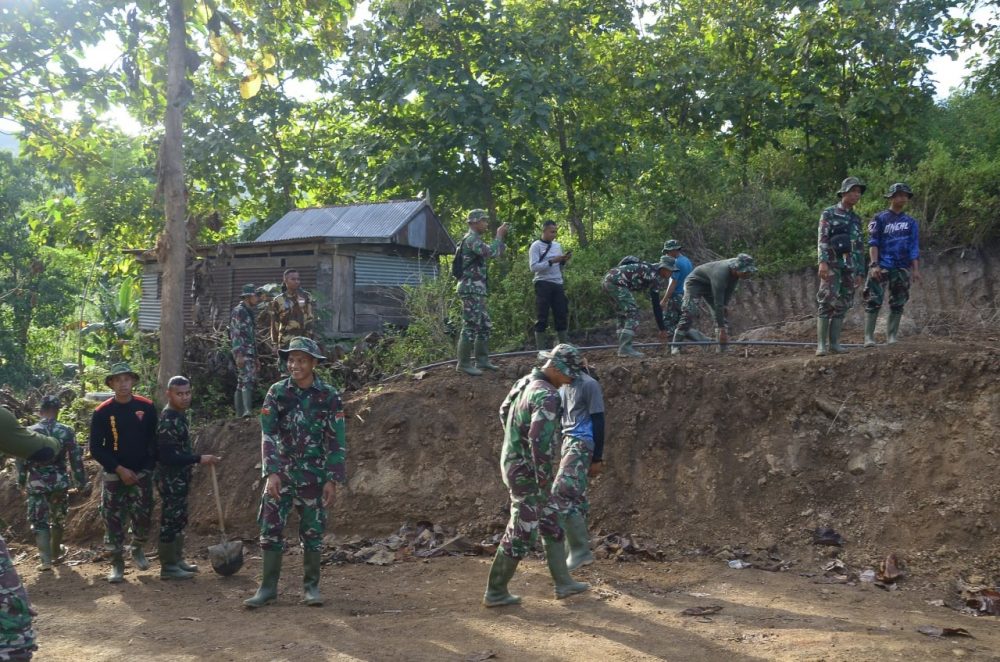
(358, 204)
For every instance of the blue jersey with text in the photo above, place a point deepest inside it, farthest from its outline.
(897, 238)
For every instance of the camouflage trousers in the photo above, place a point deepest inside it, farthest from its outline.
(47, 509)
(17, 638)
(123, 504)
(624, 300)
(672, 313)
(308, 503)
(247, 375)
(836, 292)
(173, 485)
(570, 487)
(689, 311)
(899, 290)
(475, 318)
(532, 509)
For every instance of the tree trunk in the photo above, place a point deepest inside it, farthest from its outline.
(173, 254)
(486, 179)
(575, 217)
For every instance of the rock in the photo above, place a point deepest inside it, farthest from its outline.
(858, 464)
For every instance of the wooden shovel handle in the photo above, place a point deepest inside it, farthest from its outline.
(218, 501)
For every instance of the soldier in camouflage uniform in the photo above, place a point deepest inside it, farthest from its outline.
(292, 314)
(48, 484)
(173, 478)
(17, 638)
(530, 415)
(243, 335)
(715, 282)
(841, 265)
(474, 253)
(634, 276)
(303, 446)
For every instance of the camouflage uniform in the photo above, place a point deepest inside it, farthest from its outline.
(291, 317)
(472, 288)
(304, 443)
(48, 501)
(836, 291)
(530, 418)
(243, 334)
(715, 283)
(582, 443)
(622, 281)
(173, 472)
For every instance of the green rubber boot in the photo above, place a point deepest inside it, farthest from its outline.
(871, 317)
(541, 341)
(58, 551)
(139, 557)
(247, 394)
(168, 562)
(822, 336)
(238, 403)
(181, 563)
(563, 336)
(117, 574)
(892, 327)
(482, 348)
(555, 557)
(43, 538)
(625, 347)
(310, 579)
(268, 591)
(465, 364)
(501, 571)
(836, 324)
(578, 540)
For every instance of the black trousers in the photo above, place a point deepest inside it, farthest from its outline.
(551, 295)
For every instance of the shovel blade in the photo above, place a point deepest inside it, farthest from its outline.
(226, 557)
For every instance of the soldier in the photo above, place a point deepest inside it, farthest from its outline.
(894, 249)
(530, 418)
(472, 254)
(582, 458)
(123, 441)
(263, 310)
(715, 282)
(173, 478)
(17, 638)
(243, 335)
(47, 484)
(633, 275)
(292, 314)
(303, 446)
(546, 261)
(841, 263)
(672, 298)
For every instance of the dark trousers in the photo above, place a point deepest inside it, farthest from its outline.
(551, 295)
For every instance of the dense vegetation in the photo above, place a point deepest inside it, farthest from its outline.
(725, 124)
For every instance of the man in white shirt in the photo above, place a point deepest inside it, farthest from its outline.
(546, 259)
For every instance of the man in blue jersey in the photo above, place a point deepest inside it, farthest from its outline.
(674, 296)
(894, 249)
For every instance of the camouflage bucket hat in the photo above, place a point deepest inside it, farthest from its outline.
(899, 187)
(566, 358)
(121, 368)
(668, 263)
(743, 263)
(850, 183)
(302, 344)
(248, 290)
(50, 402)
(672, 245)
(477, 214)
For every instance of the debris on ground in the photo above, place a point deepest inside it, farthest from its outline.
(889, 572)
(421, 540)
(625, 548)
(982, 601)
(702, 611)
(935, 631)
(824, 535)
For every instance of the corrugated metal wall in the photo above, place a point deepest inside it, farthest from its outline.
(149, 305)
(393, 270)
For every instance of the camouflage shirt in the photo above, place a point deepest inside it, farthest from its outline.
(637, 276)
(475, 252)
(243, 331)
(835, 221)
(48, 477)
(303, 437)
(291, 317)
(173, 443)
(530, 415)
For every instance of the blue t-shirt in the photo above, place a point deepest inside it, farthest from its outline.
(897, 238)
(684, 268)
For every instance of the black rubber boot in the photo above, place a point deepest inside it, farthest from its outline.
(555, 557)
(168, 562)
(541, 340)
(247, 393)
(501, 571)
(117, 574)
(268, 591)
(563, 336)
(181, 563)
(310, 579)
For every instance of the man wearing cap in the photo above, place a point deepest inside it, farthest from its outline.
(123, 441)
(546, 261)
(841, 264)
(634, 276)
(894, 249)
(243, 336)
(674, 296)
(17, 637)
(303, 446)
(530, 416)
(715, 282)
(292, 313)
(173, 478)
(47, 484)
(473, 252)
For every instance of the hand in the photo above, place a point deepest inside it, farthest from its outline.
(329, 493)
(127, 475)
(824, 271)
(723, 336)
(916, 276)
(209, 459)
(502, 230)
(857, 281)
(663, 335)
(274, 486)
(596, 469)
(241, 361)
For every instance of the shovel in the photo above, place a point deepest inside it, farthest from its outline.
(227, 556)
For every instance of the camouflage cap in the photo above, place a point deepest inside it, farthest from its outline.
(850, 183)
(672, 245)
(668, 263)
(50, 402)
(743, 263)
(249, 290)
(121, 368)
(260, 291)
(566, 358)
(476, 215)
(899, 187)
(302, 344)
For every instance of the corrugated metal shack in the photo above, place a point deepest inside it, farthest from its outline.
(353, 260)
